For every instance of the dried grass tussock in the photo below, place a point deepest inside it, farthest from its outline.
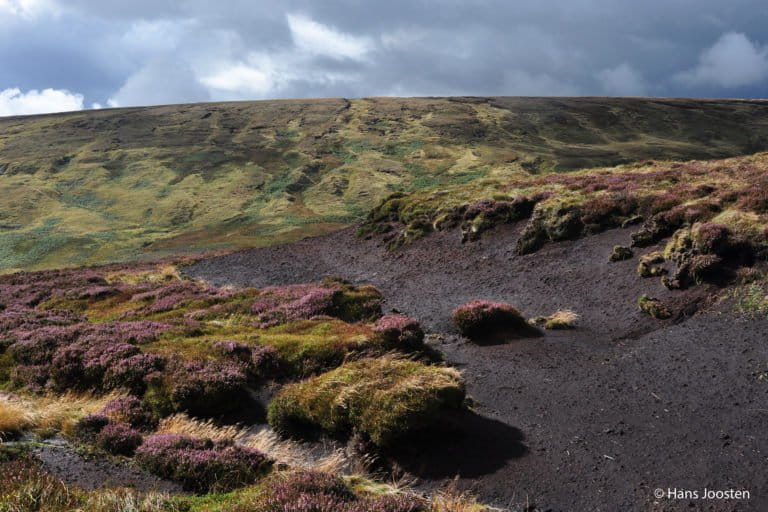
(283, 451)
(47, 415)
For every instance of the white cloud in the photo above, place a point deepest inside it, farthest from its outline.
(733, 61)
(26, 8)
(623, 80)
(243, 78)
(314, 38)
(162, 81)
(13, 102)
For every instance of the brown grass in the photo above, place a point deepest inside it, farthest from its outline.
(266, 441)
(47, 415)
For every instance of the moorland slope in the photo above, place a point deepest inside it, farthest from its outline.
(125, 184)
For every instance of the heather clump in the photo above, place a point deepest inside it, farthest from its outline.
(383, 399)
(307, 491)
(398, 332)
(481, 320)
(278, 305)
(133, 373)
(201, 465)
(118, 439)
(202, 388)
(130, 411)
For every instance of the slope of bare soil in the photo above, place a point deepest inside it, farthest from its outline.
(590, 419)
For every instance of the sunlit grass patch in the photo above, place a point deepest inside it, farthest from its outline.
(559, 320)
(384, 399)
(47, 415)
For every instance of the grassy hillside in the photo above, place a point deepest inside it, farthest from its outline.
(115, 185)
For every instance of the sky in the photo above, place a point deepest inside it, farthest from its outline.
(60, 55)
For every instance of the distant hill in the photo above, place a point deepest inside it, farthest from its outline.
(121, 184)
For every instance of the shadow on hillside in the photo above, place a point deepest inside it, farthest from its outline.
(471, 447)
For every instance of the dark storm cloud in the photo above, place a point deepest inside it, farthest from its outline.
(158, 51)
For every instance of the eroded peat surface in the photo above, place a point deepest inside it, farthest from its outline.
(594, 418)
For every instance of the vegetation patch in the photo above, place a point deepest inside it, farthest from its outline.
(482, 320)
(398, 332)
(559, 320)
(709, 210)
(650, 265)
(384, 399)
(654, 308)
(620, 253)
(201, 465)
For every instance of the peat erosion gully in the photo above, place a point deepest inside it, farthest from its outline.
(591, 419)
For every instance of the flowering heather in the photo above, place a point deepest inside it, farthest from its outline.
(38, 346)
(31, 376)
(265, 361)
(23, 318)
(132, 373)
(482, 318)
(77, 356)
(395, 332)
(129, 410)
(278, 305)
(307, 491)
(170, 296)
(207, 388)
(310, 491)
(201, 465)
(118, 439)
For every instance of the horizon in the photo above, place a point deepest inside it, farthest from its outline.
(266, 100)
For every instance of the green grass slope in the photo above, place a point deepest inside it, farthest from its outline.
(115, 185)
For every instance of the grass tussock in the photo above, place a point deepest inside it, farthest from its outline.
(559, 320)
(47, 415)
(383, 399)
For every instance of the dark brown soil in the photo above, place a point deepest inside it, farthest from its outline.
(592, 419)
(95, 472)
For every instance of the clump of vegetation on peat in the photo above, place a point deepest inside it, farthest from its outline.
(559, 320)
(654, 308)
(481, 320)
(384, 399)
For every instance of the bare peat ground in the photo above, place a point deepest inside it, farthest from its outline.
(594, 419)
(63, 461)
